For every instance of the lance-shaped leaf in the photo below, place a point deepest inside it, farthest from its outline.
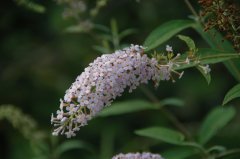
(192, 50)
(163, 134)
(127, 107)
(165, 31)
(190, 43)
(171, 101)
(179, 153)
(132, 106)
(208, 56)
(214, 121)
(217, 41)
(73, 144)
(232, 94)
(207, 76)
(127, 32)
(31, 5)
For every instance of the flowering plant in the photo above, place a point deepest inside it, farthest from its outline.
(133, 101)
(105, 79)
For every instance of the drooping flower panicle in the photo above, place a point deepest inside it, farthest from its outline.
(102, 81)
(144, 155)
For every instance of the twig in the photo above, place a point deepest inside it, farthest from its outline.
(191, 8)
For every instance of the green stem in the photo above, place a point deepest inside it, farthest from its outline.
(191, 8)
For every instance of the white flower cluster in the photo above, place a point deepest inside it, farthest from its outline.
(101, 82)
(144, 155)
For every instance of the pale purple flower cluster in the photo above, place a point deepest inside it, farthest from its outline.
(144, 155)
(101, 82)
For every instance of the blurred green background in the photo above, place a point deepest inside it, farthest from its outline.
(39, 61)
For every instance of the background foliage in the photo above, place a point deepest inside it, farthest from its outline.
(40, 59)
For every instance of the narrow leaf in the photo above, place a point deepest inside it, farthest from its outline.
(190, 43)
(127, 107)
(101, 49)
(211, 56)
(179, 153)
(217, 148)
(75, 29)
(232, 94)
(31, 5)
(106, 37)
(208, 56)
(214, 121)
(206, 76)
(70, 145)
(107, 141)
(132, 106)
(215, 40)
(163, 134)
(127, 32)
(165, 31)
(172, 101)
(101, 28)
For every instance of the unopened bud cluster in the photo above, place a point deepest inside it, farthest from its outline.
(144, 155)
(102, 81)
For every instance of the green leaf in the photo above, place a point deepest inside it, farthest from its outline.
(211, 56)
(115, 35)
(228, 153)
(214, 121)
(217, 148)
(165, 31)
(75, 29)
(31, 5)
(208, 56)
(190, 43)
(70, 145)
(102, 28)
(179, 153)
(206, 76)
(127, 32)
(215, 40)
(163, 134)
(107, 141)
(172, 101)
(127, 107)
(101, 49)
(106, 37)
(131, 106)
(232, 94)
